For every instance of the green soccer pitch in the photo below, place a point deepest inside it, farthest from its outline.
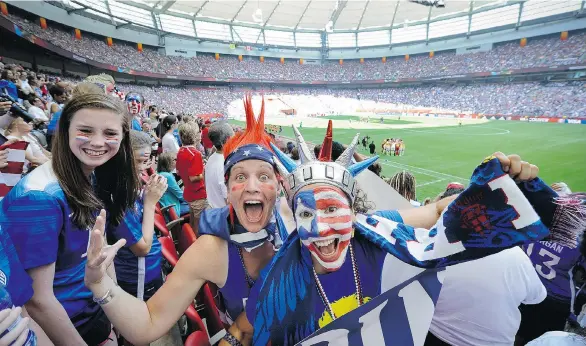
(440, 155)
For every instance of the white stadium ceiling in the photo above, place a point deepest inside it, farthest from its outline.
(301, 23)
(314, 14)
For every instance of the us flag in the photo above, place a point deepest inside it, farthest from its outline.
(11, 174)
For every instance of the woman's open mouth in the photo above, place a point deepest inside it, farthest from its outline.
(327, 248)
(253, 209)
(330, 248)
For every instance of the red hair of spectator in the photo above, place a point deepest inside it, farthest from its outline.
(254, 132)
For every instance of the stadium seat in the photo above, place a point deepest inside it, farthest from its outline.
(197, 338)
(215, 323)
(171, 256)
(168, 250)
(195, 319)
(185, 239)
(172, 215)
(161, 225)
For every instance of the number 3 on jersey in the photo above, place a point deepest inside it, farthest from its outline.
(550, 263)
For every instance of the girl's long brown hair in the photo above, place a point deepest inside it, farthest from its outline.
(115, 184)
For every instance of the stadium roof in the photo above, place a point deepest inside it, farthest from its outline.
(300, 23)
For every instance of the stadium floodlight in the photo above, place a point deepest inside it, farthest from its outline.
(436, 3)
(257, 16)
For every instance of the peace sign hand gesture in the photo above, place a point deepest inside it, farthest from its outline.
(100, 255)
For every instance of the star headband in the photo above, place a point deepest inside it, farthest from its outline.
(322, 170)
(248, 152)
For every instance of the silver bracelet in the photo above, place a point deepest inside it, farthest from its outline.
(105, 299)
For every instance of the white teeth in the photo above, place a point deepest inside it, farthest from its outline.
(253, 202)
(324, 243)
(94, 153)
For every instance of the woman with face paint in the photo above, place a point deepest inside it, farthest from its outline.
(338, 261)
(50, 212)
(235, 243)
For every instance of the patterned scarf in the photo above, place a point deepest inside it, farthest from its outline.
(250, 241)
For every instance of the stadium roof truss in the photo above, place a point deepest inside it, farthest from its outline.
(321, 24)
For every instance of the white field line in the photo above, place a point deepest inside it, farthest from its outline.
(392, 164)
(447, 131)
(430, 182)
(436, 174)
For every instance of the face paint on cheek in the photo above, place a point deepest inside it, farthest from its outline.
(237, 187)
(113, 140)
(82, 137)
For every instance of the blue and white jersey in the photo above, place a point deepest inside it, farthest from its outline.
(131, 269)
(37, 216)
(12, 275)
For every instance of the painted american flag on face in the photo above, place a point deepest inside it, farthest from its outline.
(12, 173)
(324, 223)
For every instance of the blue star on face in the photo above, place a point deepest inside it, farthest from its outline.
(260, 148)
(246, 152)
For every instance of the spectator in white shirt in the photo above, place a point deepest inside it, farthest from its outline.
(168, 125)
(479, 301)
(35, 109)
(218, 133)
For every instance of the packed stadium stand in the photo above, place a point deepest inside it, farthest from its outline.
(537, 53)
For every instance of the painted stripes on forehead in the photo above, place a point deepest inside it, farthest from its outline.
(331, 198)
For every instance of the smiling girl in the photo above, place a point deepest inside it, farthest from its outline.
(49, 215)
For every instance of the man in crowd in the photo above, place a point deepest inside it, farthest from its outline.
(215, 185)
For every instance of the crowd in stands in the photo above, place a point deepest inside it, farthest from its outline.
(530, 99)
(539, 52)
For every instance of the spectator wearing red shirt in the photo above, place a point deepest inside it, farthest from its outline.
(190, 168)
(205, 139)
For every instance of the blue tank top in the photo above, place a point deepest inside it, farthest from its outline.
(235, 291)
(553, 263)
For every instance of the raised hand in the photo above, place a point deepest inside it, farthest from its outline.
(517, 169)
(18, 335)
(99, 255)
(155, 188)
